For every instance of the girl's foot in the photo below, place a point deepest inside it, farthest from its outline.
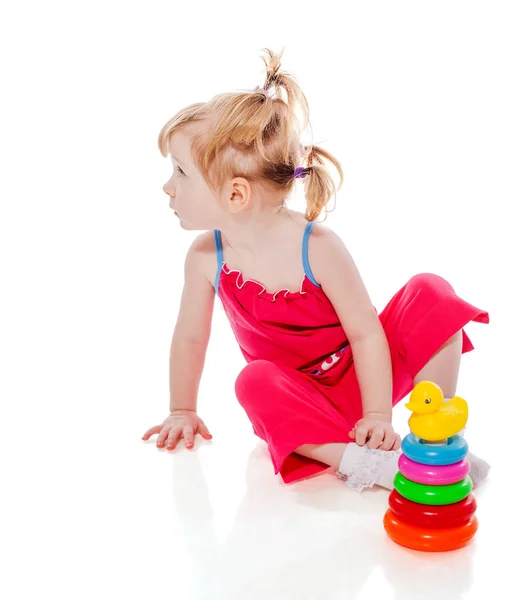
(478, 469)
(362, 467)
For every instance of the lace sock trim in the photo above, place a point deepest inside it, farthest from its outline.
(365, 471)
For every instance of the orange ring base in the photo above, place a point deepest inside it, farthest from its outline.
(429, 539)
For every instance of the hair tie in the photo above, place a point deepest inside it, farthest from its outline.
(301, 172)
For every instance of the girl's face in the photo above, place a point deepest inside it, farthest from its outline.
(189, 196)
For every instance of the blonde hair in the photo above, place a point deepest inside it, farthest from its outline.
(253, 135)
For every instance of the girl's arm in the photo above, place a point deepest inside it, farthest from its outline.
(335, 270)
(192, 329)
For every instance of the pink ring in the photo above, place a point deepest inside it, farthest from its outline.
(433, 474)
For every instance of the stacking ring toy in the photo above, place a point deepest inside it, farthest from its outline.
(432, 494)
(428, 454)
(433, 474)
(431, 516)
(429, 540)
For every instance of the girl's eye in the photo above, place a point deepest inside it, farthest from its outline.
(180, 170)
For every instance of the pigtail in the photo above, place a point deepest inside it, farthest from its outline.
(319, 186)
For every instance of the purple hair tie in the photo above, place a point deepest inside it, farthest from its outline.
(299, 172)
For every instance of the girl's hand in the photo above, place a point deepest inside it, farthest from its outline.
(181, 423)
(376, 430)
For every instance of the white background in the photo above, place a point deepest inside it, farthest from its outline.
(422, 103)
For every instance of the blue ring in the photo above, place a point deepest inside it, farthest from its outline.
(417, 451)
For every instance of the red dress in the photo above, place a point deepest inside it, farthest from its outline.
(299, 386)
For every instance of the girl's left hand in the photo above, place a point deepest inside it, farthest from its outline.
(376, 431)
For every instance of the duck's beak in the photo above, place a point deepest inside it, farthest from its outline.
(410, 406)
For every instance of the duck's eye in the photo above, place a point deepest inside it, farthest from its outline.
(427, 400)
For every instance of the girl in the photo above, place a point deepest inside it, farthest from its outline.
(324, 369)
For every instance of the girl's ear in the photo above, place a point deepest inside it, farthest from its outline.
(240, 195)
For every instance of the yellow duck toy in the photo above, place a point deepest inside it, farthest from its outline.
(433, 419)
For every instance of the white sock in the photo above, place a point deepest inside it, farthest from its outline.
(362, 467)
(478, 469)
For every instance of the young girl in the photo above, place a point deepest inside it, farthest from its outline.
(324, 369)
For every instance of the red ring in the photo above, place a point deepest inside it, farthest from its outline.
(432, 516)
(426, 539)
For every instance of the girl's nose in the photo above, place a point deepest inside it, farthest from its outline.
(169, 189)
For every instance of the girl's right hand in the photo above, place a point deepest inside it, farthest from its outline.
(181, 423)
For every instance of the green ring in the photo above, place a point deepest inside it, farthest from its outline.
(432, 494)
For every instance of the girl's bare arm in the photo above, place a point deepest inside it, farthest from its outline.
(192, 329)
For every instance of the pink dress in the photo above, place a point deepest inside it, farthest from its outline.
(299, 386)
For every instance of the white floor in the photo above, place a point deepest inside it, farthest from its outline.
(95, 512)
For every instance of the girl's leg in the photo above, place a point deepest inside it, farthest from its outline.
(330, 454)
(443, 367)
(287, 410)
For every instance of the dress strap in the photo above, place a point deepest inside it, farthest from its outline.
(220, 257)
(305, 260)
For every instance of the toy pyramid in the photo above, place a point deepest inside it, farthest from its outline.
(431, 507)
